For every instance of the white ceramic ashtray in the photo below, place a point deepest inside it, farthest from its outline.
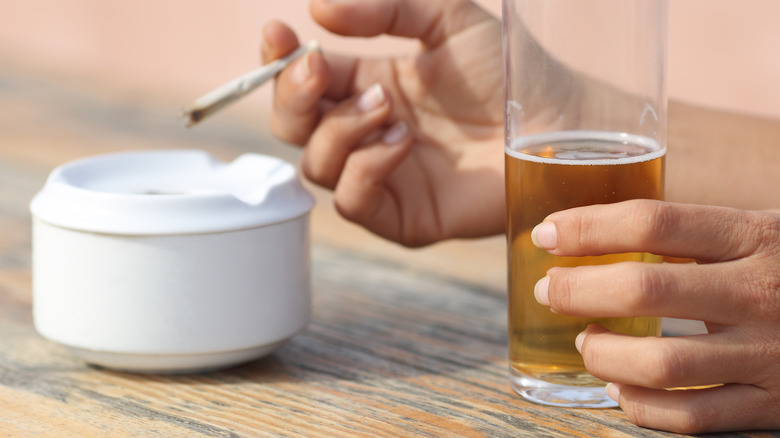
(171, 261)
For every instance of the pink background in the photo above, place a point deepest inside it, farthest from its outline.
(723, 53)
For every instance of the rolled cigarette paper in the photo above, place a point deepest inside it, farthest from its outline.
(220, 97)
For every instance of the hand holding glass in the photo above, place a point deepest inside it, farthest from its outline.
(585, 124)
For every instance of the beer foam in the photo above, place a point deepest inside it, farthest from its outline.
(651, 148)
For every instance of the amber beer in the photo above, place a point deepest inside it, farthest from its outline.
(552, 172)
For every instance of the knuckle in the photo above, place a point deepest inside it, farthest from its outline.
(358, 169)
(317, 174)
(684, 421)
(665, 368)
(656, 219)
(762, 282)
(750, 233)
(650, 411)
(638, 413)
(650, 290)
(695, 420)
(297, 136)
(763, 289)
(582, 229)
(347, 210)
(768, 231)
(562, 283)
(747, 233)
(593, 362)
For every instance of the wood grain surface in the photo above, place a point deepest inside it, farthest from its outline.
(401, 343)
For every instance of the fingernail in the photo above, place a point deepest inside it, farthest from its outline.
(613, 391)
(579, 340)
(545, 236)
(372, 98)
(541, 291)
(396, 133)
(302, 71)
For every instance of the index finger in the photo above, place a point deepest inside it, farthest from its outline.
(432, 21)
(704, 233)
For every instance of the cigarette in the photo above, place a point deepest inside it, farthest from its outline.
(220, 97)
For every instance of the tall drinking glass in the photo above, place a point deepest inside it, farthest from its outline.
(585, 124)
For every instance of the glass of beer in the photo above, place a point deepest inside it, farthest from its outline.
(585, 85)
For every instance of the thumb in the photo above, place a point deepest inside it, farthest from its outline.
(430, 21)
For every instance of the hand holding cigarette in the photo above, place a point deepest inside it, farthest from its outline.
(220, 97)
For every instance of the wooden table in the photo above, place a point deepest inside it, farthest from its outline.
(402, 343)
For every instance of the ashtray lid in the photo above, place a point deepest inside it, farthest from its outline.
(170, 192)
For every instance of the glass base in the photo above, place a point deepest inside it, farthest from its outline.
(565, 396)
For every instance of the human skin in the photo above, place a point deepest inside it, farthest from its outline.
(734, 288)
(412, 147)
(403, 159)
